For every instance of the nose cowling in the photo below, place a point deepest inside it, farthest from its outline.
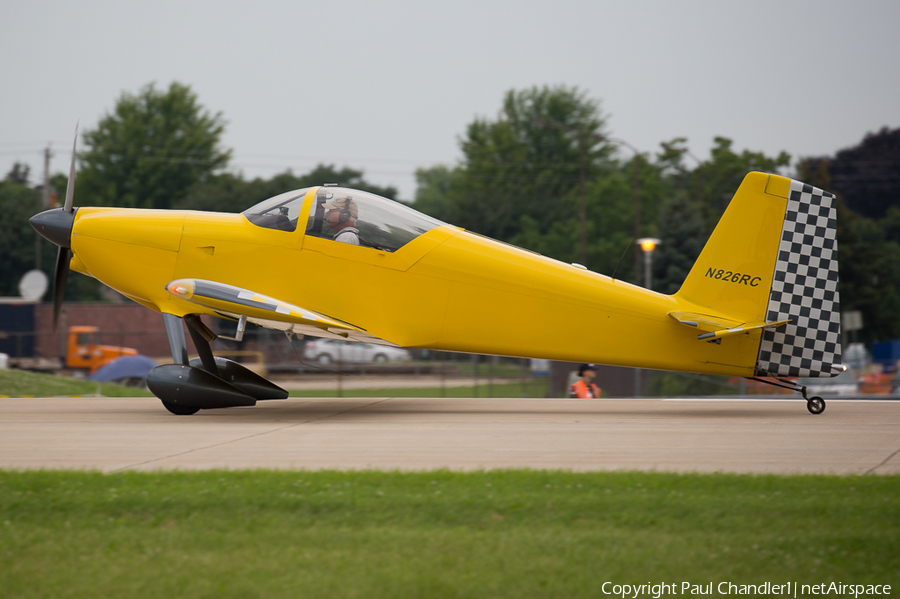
(54, 225)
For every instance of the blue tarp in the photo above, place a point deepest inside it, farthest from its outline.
(124, 367)
(886, 353)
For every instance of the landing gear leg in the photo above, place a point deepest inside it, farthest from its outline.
(202, 335)
(178, 345)
(175, 333)
(815, 404)
(206, 382)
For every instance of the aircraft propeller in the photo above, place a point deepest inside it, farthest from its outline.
(55, 225)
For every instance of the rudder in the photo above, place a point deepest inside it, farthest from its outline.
(805, 290)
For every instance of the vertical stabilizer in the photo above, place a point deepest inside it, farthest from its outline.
(773, 258)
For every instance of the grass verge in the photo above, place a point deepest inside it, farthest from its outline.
(18, 383)
(435, 534)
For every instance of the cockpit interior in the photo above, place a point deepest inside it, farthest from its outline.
(379, 223)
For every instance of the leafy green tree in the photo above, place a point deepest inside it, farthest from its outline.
(696, 200)
(815, 172)
(18, 203)
(868, 249)
(151, 150)
(866, 175)
(610, 220)
(891, 224)
(721, 176)
(682, 233)
(870, 275)
(18, 174)
(18, 240)
(713, 182)
(232, 193)
(526, 163)
(436, 187)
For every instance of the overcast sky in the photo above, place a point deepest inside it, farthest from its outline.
(390, 86)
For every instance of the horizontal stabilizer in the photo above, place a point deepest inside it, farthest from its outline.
(744, 328)
(717, 327)
(704, 322)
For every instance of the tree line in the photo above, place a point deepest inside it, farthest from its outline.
(545, 174)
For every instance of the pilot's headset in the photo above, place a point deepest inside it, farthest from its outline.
(345, 215)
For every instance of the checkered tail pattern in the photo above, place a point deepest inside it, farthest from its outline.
(804, 290)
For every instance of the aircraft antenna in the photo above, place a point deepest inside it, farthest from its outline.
(630, 243)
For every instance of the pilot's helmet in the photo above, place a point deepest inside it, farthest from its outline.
(344, 204)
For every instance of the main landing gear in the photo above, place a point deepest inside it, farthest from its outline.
(206, 382)
(815, 404)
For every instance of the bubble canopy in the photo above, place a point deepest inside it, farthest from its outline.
(280, 212)
(381, 223)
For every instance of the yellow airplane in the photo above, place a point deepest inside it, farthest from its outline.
(761, 300)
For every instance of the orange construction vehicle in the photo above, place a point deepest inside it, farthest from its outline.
(82, 351)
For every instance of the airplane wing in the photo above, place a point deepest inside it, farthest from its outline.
(235, 302)
(716, 327)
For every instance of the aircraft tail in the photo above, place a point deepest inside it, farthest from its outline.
(771, 264)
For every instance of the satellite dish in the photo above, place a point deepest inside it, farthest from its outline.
(33, 285)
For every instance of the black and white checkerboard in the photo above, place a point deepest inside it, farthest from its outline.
(804, 290)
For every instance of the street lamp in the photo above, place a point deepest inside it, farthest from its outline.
(648, 244)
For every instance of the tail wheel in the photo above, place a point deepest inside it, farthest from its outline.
(815, 405)
(180, 410)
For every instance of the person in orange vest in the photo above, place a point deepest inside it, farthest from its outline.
(585, 388)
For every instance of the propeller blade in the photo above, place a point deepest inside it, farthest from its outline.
(70, 186)
(59, 282)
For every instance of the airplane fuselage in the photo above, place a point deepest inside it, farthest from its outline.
(448, 289)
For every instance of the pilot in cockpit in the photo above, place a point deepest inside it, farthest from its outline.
(341, 215)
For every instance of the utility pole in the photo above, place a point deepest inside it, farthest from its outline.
(582, 207)
(45, 200)
(582, 201)
(637, 206)
(45, 203)
(637, 197)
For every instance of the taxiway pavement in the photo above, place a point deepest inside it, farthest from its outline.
(727, 435)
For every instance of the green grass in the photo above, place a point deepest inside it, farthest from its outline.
(531, 388)
(435, 534)
(18, 383)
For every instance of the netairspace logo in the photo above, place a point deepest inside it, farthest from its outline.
(788, 589)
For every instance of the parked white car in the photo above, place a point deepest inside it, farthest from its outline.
(327, 351)
(844, 384)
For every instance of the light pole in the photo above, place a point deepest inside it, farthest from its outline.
(648, 244)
